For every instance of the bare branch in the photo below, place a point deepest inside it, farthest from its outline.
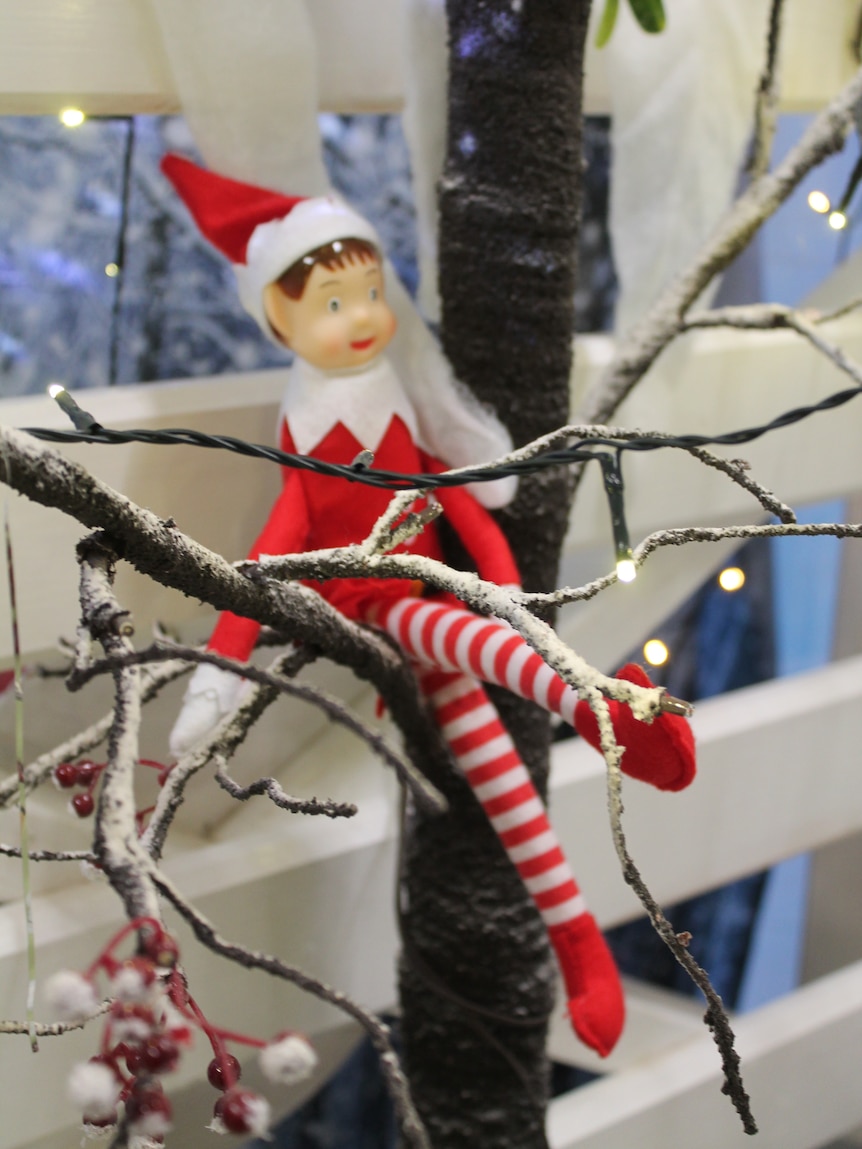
(737, 470)
(715, 1017)
(272, 789)
(840, 312)
(409, 1121)
(423, 791)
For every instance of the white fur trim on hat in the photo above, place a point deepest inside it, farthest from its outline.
(277, 245)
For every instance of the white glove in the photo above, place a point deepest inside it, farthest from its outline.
(212, 694)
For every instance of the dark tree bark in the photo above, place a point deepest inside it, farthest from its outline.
(477, 974)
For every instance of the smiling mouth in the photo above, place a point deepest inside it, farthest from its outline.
(362, 344)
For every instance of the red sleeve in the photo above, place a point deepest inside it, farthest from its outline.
(286, 532)
(477, 530)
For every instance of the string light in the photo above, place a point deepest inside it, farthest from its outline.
(612, 476)
(112, 270)
(655, 652)
(83, 420)
(818, 201)
(89, 430)
(837, 220)
(72, 117)
(731, 579)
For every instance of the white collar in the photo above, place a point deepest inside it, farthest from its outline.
(363, 399)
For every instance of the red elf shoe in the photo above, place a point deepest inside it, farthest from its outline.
(660, 752)
(595, 997)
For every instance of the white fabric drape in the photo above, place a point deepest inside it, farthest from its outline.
(683, 111)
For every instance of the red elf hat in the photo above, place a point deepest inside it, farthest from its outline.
(261, 232)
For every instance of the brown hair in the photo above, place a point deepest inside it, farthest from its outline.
(331, 255)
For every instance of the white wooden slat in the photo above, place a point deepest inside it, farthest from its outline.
(106, 56)
(798, 1060)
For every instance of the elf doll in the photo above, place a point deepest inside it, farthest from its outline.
(311, 273)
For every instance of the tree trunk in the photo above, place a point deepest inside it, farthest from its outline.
(477, 973)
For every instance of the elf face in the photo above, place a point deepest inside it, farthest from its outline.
(342, 319)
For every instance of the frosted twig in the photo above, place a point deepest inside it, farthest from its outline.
(765, 316)
(115, 842)
(385, 535)
(233, 729)
(54, 1029)
(409, 1121)
(48, 855)
(485, 597)
(680, 536)
(273, 790)
(715, 1017)
(737, 470)
(338, 712)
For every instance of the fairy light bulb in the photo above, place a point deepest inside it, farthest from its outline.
(819, 201)
(81, 419)
(837, 220)
(626, 570)
(655, 652)
(72, 117)
(612, 477)
(731, 579)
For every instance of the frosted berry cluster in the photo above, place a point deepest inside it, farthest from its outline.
(151, 1018)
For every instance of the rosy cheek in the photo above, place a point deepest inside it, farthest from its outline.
(334, 342)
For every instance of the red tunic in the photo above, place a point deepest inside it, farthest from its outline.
(318, 511)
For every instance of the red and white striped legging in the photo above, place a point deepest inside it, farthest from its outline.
(454, 648)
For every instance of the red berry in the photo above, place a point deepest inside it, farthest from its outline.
(224, 1074)
(66, 775)
(83, 805)
(235, 1110)
(160, 1053)
(134, 1060)
(148, 1108)
(87, 771)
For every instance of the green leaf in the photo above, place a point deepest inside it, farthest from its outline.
(606, 24)
(649, 14)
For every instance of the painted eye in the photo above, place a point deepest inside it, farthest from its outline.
(333, 305)
(373, 294)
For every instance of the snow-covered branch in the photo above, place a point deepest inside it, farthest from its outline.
(116, 843)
